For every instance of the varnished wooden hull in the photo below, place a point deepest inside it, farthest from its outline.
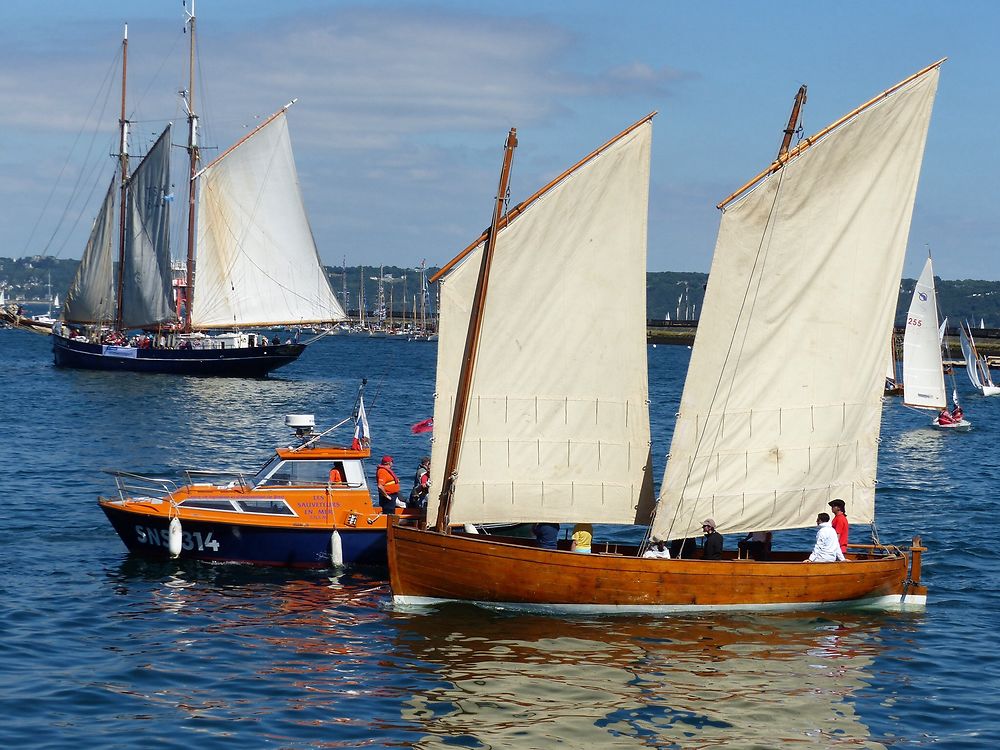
(428, 567)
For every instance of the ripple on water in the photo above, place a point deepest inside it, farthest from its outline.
(106, 650)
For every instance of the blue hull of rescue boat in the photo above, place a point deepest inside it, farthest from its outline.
(241, 362)
(217, 542)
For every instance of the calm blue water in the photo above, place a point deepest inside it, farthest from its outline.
(102, 650)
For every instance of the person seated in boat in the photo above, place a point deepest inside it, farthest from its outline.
(945, 417)
(657, 550)
(337, 474)
(957, 414)
(388, 487)
(827, 547)
(276, 341)
(546, 534)
(583, 537)
(684, 549)
(421, 485)
(711, 548)
(756, 545)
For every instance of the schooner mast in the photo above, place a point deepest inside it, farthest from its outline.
(123, 188)
(193, 157)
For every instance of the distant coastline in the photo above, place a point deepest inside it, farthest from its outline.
(671, 296)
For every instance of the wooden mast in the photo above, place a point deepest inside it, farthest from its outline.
(123, 169)
(192, 179)
(793, 120)
(472, 342)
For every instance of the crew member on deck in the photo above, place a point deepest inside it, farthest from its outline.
(827, 547)
(839, 522)
(388, 487)
(421, 485)
(712, 549)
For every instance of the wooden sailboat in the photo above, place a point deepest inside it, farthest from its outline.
(976, 365)
(923, 365)
(547, 408)
(251, 261)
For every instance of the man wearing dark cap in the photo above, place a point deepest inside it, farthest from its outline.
(839, 523)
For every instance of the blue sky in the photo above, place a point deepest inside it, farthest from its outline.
(404, 107)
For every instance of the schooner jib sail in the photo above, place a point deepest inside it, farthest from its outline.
(781, 407)
(251, 260)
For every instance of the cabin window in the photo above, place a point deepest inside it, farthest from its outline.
(207, 503)
(261, 476)
(301, 472)
(273, 507)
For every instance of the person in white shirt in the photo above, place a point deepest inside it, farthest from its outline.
(827, 547)
(657, 549)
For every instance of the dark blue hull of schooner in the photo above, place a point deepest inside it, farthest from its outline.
(247, 362)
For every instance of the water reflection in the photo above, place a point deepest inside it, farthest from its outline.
(715, 682)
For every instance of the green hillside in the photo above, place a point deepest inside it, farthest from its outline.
(673, 293)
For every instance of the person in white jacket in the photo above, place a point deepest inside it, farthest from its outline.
(827, 547)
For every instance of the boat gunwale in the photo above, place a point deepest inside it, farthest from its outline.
(525, 577)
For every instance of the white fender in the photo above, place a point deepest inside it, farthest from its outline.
(336, 548)
(471, 529)
(176, 535)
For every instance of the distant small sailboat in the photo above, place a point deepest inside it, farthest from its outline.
(923, 366)
(975, 365)
(893, 384)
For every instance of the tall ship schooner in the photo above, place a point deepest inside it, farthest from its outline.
(250, 260)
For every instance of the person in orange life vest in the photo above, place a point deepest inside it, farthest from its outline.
(388, 487)
(336, 477)
(839, 522)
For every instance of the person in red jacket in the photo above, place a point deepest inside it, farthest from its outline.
(839, 522)
(388, 487)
